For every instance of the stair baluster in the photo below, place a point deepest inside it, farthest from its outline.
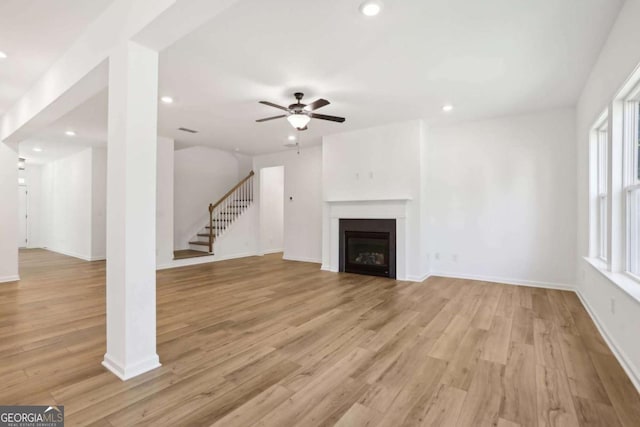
(226, 210)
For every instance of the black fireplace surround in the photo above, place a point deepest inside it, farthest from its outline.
(368, 246)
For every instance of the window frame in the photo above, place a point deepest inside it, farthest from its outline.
(631, 182)
(602, 190)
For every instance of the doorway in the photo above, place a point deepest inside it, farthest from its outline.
(272, 209)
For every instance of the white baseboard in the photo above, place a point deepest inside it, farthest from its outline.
(128, 372)
(418, 279)
(271, 251)
(506, 281)
(302, 259)
(632, 372)
(7, 279)
(202, 260)
(75, 255)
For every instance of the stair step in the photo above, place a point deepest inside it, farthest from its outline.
(189, 253)
(198, 243)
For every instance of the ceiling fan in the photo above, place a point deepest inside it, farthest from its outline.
(299, 114)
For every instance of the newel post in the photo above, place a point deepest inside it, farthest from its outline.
(210, 227)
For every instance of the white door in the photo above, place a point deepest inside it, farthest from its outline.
(22, 206)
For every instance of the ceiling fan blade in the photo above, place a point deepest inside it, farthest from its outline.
(271, 104)
(325, 117)
(271, 118)
(317, 104)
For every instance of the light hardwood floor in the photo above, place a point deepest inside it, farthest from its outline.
(262, 341)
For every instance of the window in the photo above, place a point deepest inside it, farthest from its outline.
(632, 186)
(602, 138)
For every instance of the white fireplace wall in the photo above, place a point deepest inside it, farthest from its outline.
(378, 173)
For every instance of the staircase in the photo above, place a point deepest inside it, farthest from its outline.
(223, 213)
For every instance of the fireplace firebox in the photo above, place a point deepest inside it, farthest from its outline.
(368, 246)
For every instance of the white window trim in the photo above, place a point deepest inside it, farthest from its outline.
(631, 183)
(602, 193)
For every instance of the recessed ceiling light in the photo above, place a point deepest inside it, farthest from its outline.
(3, 55)
(70, 133)
(237, 149)
(37, 149)
(291, 138)
(167, 99)
(447, 108)
(371, 7)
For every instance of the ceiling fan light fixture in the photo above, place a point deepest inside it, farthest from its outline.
(371, 7)
(298, 120)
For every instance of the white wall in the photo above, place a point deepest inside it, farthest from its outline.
(272, 209)
(303, 201)
(164, 201)
(69, 204)
(33, 179)
(373, 164)
(502, 198)
(201, 176)
(618, 59)
(99, 203)
(382, 163)
(8, 212)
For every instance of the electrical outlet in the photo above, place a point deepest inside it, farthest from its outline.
(437, 255)
(613, 306)
(454, 257)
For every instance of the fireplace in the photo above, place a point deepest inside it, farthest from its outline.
(368, 246)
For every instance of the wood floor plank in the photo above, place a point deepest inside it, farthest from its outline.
(506, 423)
(443, 408)
(488, 306)
(554, 402)
(623, 395)
(359, 416)
(447, 345)
(583, 378)
(546, 340)
(595, 414)
(415, 394)
(462, 366)
(496, 346)
(265, 341)
(481, 405)
(522, 328)
(519, 401)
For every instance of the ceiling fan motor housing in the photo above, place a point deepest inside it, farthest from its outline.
(297, 108)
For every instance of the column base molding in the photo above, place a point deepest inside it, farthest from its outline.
(128, 372)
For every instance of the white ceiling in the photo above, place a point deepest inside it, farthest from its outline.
(488, 58)
(34, 33)
(88, 121)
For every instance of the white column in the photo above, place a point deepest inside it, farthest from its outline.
(8, 212)
(131, 211)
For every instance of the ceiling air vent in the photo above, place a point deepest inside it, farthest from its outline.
(188, 130)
